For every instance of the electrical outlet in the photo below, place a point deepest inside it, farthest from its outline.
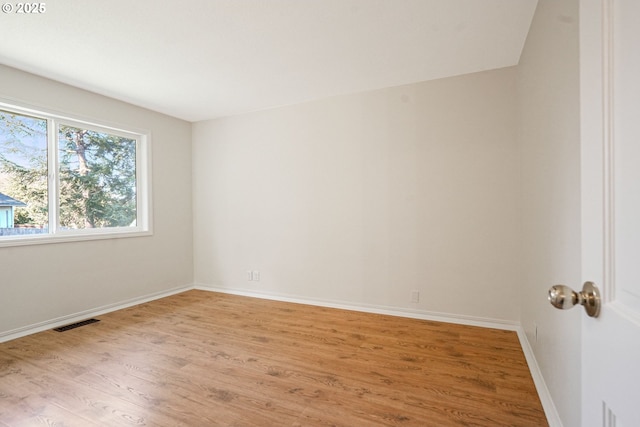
(415, 297)
(255, 275)
(249, 275)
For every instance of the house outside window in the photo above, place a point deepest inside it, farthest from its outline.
(7, 205)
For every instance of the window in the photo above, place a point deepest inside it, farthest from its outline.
(67, 179)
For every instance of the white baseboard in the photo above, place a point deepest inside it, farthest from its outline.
(76, 317)
(550, 410)
(368, 308)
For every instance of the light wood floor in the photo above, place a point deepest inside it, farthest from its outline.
(206, 359)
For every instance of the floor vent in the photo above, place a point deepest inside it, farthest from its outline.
(75, 325)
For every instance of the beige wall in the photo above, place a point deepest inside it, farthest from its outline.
(39, 283)
(361, 199)
(548, 93)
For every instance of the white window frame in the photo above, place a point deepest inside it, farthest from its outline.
(54, 119)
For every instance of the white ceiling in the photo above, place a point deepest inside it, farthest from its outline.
(201, 59)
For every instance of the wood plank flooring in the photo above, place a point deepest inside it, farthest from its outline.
(208, 359)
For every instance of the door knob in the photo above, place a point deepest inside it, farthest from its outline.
(563, 297)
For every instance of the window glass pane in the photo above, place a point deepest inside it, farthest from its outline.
(97, 179)
(23, 175)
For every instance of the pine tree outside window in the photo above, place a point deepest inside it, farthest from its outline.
(71, 179)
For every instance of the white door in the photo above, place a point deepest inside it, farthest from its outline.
(610, 116)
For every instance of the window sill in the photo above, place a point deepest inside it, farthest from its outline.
(76, 236)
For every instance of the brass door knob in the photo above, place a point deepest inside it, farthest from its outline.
(563, 297)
